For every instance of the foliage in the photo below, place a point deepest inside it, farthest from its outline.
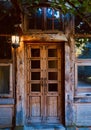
(77, 7)
(66, 5)
(83, 47)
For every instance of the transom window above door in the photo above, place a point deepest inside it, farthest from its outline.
(45, 18)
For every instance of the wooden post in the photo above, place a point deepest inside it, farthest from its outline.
(14, 89)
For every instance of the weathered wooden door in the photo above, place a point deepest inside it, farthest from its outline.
(44, 83)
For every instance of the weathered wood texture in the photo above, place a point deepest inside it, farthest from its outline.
(69, 71)
(20, 86)
(45, 37)
(83, 114)
(68, 91)
(7, 101)
(6, 116)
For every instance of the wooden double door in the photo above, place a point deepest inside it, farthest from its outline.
(44, 83)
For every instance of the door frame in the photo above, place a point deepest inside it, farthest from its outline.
(63, 81)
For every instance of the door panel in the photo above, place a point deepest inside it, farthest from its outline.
(44, 83)
(52, 106)
(35, 106)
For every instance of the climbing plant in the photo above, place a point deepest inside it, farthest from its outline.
(76, 7)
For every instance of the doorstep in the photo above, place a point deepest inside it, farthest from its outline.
(44, 127)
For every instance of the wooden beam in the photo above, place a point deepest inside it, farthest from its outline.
(6, 35)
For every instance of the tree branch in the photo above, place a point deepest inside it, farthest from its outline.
(79, 13)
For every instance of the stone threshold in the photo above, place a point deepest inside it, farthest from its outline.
(44, 127)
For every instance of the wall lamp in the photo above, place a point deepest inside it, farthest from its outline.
(15, 39)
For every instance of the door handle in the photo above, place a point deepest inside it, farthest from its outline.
(45, 82)
(41, 82)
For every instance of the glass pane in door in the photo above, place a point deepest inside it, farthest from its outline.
(52, 52)
(35, 64)
(52, 64)
(35, 52)
(52, 87)
(52, 75)
(35, 75)
(35, 87)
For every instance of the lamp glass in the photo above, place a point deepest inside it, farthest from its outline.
(15, 41)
